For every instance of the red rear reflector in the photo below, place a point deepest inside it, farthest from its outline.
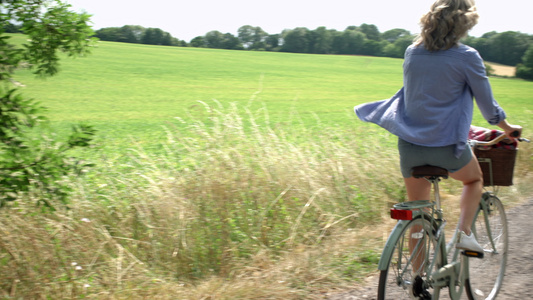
(400, 214)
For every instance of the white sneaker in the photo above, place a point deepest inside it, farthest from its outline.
(470, 246)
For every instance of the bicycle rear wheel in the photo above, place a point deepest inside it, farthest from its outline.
(490, 229)
(409, 263)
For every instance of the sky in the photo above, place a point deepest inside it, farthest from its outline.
(186, 19)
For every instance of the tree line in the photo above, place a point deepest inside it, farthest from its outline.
(138, 35)
(507, 48)
(358, 40)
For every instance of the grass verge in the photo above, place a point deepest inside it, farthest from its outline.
(233, 208)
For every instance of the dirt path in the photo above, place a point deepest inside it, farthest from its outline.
(517, 283)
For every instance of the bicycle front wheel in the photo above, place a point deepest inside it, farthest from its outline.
(490, 229)
(415, 256)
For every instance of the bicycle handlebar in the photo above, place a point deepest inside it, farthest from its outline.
(498, 139)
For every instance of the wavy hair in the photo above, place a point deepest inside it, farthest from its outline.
(446, 23)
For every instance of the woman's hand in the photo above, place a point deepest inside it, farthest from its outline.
(510, 130)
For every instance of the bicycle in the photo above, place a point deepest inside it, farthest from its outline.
(416, 262)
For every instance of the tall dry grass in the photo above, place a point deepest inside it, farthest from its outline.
(235, 207)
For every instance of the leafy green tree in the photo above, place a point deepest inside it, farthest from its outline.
(259, 38)
(272, 42)
(350, 41)
(489, 35)
(137, 34)
(218, 40)
(482, 45)
(296, 40)
(391, 51)
(394, 34)
(131, 34)
(231, 42)
(373, 48)
(28, 163)
(124, 34)
(508, 47)
(214, 39)
(198, 42)
(166, 39)
(111, 34)
(371, 32)
(397, 49)
(252, 38)
(246, 35)
(179, 43)
(525, 69)
(154, 36)
(322, 40)
(148, 37)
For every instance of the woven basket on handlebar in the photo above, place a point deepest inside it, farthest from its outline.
(497, 165)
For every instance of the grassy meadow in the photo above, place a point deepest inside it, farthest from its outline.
(128, 89)
(219, 175)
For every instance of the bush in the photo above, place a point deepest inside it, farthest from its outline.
(489, 69)
(524, 72)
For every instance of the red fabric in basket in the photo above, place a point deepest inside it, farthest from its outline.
(484, 134)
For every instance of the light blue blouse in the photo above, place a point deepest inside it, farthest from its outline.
(435, 107)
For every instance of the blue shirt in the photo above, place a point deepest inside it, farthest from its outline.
(435, 107)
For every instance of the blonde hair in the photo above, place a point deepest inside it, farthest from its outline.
(446, 23)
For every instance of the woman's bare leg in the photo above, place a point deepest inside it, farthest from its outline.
(472, 179)
(417, 188)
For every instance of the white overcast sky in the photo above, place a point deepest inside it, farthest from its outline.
(186, 19)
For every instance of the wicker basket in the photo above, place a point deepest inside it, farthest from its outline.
(497, 165)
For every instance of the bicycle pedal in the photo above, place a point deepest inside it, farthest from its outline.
(472, 254)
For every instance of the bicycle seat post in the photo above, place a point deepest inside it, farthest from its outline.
(435, 181)
(433, 175)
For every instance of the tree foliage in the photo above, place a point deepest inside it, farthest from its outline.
(296, 40)
(28, 162)
(51, 28)
(138, 35)
(252, 38)
(525, 69)
(371, 32)
(124, 34)
(506, 48)
(219, 40)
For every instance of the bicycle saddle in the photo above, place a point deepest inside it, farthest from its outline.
(429, 171)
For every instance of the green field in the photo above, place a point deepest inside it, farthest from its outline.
(220, 175)
(129, 89)
(132, 89)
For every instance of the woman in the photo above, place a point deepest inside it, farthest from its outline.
(432, 113)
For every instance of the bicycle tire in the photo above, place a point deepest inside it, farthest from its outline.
(486, 275)
(398, 281)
